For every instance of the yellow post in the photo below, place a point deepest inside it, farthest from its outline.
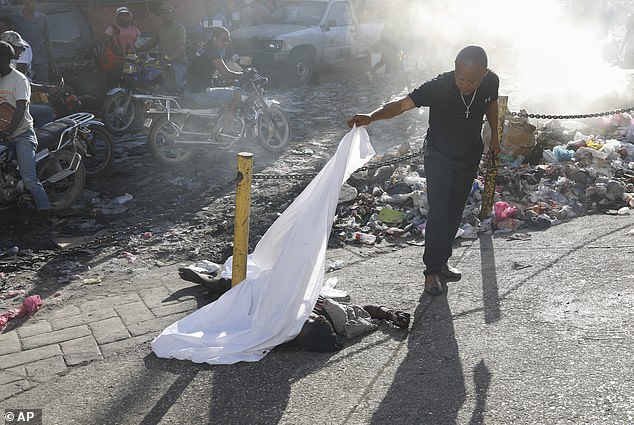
(493, 163)
(241, 225)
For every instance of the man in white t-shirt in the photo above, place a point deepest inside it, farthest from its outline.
(15, 90)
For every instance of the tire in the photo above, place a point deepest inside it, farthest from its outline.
(274, 129)
(299, 68)
(161, 139)
(116, 116)
(99, 151)
(63, 194)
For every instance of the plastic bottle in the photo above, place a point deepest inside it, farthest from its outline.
(366, 238)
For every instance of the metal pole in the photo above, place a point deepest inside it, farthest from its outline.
(241, 225)
(493, 161)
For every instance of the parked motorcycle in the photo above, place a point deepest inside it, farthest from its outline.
(178, 133)
(98, 149)
(58, 163)
(123, 108)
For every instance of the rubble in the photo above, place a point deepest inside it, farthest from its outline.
(572, 173)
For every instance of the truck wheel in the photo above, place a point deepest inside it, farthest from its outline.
(300, 68)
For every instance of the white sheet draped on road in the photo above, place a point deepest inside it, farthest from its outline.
(284, 276)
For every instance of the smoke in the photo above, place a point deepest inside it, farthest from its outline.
(552, 56)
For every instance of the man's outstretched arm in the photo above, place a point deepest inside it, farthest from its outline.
(385, 112)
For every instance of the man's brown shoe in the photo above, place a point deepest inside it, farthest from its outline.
(433, 286)
(450, 273)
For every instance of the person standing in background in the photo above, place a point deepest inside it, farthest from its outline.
(214, 17)
(32, 25)
(122, 35)
(170, 38)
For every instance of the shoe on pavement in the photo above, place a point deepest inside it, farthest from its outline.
(433, 286)
(450, 273)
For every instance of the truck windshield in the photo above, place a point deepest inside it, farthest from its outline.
(63, 27)
(307, 13)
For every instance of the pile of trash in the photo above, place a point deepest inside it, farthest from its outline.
(568, 173)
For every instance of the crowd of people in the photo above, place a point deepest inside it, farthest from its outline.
(27, 62)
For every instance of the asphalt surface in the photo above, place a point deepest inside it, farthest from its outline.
(537, 331)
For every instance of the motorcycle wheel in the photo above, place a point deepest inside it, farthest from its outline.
(274, 129)
(65, 192)
(116, 116)
(99, 151)
(161, 140)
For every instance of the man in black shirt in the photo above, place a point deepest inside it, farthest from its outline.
(199, 80)
(457, 102)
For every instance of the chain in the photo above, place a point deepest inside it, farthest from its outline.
(310, 176)
(571, 117)
(282, 176)
(391, 161)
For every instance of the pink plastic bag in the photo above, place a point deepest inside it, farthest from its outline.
(503, 216)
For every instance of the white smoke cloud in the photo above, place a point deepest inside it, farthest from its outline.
(549, 54)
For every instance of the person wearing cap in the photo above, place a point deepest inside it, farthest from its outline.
(122, 35)
(22, 51)
(170, 39)
(42, 113)
(205, 62)
(15, 90)
(32, 25)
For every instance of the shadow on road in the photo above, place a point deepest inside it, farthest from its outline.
(490, 294)
(428, 387)
(482, 380)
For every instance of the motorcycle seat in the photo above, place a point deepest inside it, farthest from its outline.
(189, 103)
(48, 134)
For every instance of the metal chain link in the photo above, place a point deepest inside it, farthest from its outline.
(569, 117)
(373, 166)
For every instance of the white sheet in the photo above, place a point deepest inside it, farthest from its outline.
(284, 276)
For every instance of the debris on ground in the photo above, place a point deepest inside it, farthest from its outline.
(576, 173)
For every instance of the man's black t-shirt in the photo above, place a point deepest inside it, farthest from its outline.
(453, 138)
(201, 68)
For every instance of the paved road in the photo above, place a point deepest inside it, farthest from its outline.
(537, 331)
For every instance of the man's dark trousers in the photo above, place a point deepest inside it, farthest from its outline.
(447, 192)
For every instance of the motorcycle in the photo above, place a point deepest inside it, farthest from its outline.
(98, 148)
(58, 163)
(141, 76)
(178, 133)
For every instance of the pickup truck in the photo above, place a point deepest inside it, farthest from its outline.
(304, 35)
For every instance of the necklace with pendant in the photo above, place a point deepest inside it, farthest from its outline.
(466, 113)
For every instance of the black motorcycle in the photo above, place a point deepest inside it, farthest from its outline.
(97, 146)
(58, 163)
(179, 130)
(141, 76)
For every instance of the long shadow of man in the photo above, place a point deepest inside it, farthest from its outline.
(429, 386)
